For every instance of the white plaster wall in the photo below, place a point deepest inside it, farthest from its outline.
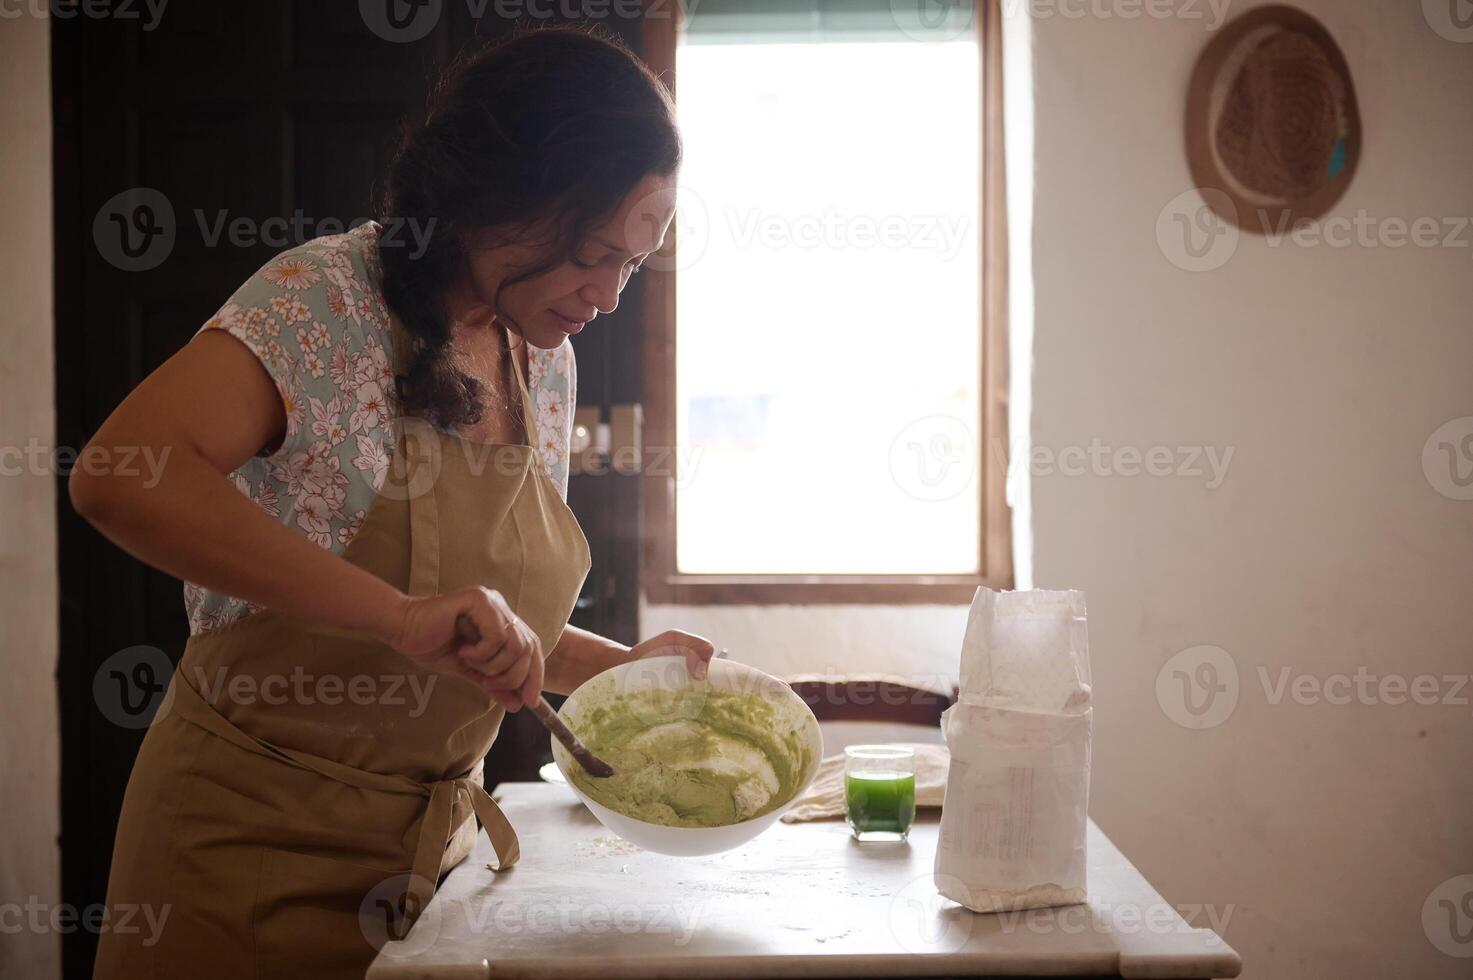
(29, 739)
(1325, 550)
(919, 645)
(1316, 831)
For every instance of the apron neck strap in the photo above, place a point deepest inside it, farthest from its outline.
(529, 413)
(401, 356)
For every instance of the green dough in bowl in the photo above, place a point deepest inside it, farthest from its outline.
(693, 757)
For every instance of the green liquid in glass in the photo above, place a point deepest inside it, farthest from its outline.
(881, 805)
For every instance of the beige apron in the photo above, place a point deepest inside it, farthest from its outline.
(301, 790)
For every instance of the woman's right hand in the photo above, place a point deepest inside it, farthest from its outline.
(506, 662)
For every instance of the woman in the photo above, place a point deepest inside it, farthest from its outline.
(365, 445)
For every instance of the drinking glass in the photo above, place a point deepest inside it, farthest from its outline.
(880, 791)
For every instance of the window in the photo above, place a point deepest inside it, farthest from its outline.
(819, 367)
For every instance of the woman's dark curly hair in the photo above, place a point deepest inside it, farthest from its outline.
(554, 125)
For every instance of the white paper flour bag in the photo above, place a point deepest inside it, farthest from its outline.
(1017, 795)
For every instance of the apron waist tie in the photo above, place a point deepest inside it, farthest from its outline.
(435, 822)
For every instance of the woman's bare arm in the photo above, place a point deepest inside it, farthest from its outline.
(204, 412)
(579, 655)
(210, 407)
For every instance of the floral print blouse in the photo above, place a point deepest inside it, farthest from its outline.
(315, 317)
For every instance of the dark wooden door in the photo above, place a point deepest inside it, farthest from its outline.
(264, 110)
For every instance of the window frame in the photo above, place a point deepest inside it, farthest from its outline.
(661, 581)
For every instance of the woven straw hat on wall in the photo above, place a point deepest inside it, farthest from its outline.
(1271, 120)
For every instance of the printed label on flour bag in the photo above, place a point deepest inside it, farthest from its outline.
(1017, 794)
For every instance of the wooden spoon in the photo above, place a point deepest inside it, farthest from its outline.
(466, 632)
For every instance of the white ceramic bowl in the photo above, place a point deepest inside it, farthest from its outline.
(669, 673)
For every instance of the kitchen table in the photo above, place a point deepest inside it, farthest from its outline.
(801, 900)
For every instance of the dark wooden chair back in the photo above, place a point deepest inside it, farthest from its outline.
(871, 699)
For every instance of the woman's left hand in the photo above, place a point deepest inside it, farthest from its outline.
(697, 650)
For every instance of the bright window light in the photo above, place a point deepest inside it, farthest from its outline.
(828, 310)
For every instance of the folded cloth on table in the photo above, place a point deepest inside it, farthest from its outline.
(824, 797)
